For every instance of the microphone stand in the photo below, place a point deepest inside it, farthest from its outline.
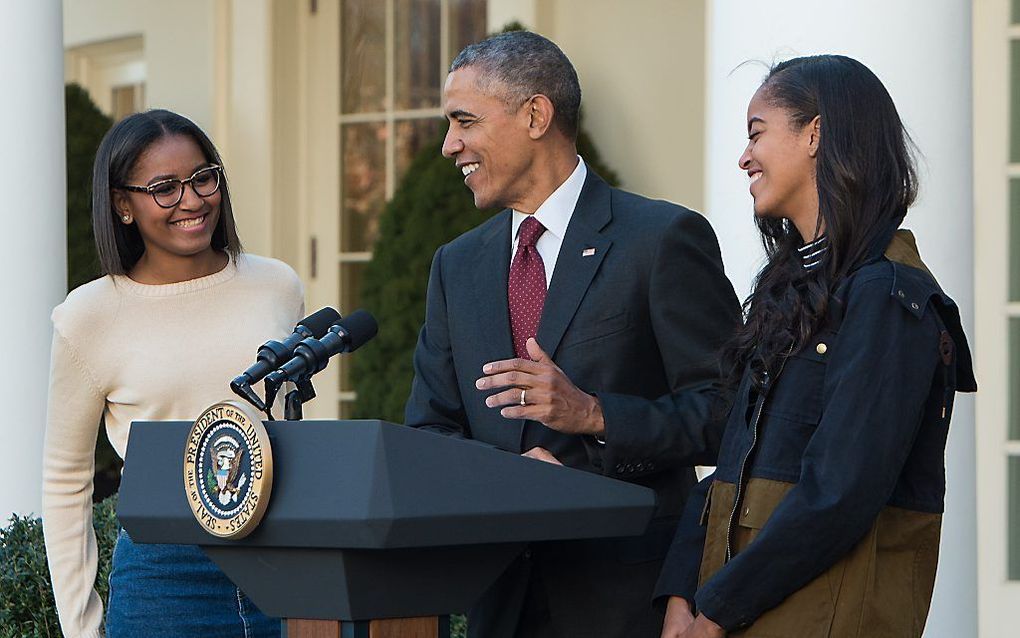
(302, 392)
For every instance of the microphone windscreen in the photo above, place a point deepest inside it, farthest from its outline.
(361, 327)
(320, 321)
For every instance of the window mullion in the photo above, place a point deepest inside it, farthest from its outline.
(391, 74)
(444, 40)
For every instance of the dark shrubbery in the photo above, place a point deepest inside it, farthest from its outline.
(86, 126)
(27, 609)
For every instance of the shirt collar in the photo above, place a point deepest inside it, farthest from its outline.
(555, 211)
(813, 252)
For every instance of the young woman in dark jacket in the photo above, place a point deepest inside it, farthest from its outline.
(824, 513)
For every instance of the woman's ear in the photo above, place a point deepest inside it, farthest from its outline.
(122, 206)
(814, 135)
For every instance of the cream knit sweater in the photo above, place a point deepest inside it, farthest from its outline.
(123, 352)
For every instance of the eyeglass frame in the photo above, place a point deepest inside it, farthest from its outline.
(183, 182)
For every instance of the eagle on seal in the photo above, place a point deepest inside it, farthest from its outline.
(226, 455)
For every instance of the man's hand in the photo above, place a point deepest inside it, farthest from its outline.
(542, 454)
(549, 396)
(678, 617)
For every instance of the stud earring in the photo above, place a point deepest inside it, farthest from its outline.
(126, 219)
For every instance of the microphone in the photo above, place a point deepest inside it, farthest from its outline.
(273, 354)
(312, 355)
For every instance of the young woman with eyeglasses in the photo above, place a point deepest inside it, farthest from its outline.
(177, 313)
(824, 513)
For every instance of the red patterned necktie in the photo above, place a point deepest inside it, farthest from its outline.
(526, 289)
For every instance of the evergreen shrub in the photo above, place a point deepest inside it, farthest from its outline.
(85, 127)
(27, 609)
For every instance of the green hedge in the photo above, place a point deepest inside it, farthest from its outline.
(85, 127)
(27, 609)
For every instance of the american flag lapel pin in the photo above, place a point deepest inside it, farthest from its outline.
(587, 252)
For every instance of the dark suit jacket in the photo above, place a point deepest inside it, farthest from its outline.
(634, 323)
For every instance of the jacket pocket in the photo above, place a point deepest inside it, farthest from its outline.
(591, 330)
(808, 612)
(798, 394)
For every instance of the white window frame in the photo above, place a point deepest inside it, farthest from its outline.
(998, 597)
(324, 169)
(103, 66)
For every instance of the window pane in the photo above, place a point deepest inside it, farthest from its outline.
(1013, 532)
(351, 274)
(416, 51)
(363, 184)
(1014, 238)
(1015, 18)
(467, 24)
(412, 135)
(1014, 102)
(125, 101)
(346, 409)
(1014, 379)
(362, 56)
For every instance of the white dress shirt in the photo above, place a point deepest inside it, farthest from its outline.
(554, 214)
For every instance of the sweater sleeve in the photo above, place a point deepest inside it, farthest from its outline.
(72, 424)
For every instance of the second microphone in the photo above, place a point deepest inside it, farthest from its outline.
(312, 355)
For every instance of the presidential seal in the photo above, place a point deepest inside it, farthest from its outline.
(228, 469)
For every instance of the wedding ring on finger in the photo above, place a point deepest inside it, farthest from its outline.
(522, 397)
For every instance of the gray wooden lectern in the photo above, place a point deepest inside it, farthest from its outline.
(375, 529)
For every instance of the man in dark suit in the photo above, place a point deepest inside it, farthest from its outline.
(596, 315)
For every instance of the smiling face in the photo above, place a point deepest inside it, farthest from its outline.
(492, 148)
(780, 162)
(185, 230)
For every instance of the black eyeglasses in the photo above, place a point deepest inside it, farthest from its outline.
(168, 193)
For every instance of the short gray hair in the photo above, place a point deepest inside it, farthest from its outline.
(519, 64)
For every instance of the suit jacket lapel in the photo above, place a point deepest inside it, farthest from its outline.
(575, 266)
(490, 280)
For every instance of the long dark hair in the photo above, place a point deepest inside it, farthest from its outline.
(120, 246)
(866, 180)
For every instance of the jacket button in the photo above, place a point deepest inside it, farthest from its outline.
(629, 468)
(619, 468)
(914, 305)
(901, 294)
(821, 348)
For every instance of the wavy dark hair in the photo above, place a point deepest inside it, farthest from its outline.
(120, 246)
(866, 181)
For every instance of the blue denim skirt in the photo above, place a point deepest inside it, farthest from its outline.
(175, 591)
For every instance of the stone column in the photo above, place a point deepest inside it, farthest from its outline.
(33, 262)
